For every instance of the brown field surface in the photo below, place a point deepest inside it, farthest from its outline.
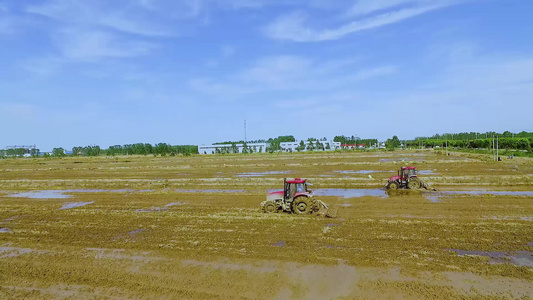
(191, 228)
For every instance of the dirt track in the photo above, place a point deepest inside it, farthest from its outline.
(175, 227)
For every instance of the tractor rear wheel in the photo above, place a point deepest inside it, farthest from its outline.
(393, 185)
(270, 207)
(414, 184)
(302, 205)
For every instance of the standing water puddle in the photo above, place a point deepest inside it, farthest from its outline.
(132, 233)
(362, 172)
(351, 193)
(175, 203)
(434, 196)
(75, 204)
(398, 159)
(61, 194)
(279, 244)
(258, 174)
(519, 258)
(5, 230)
(41, 195)
(427, 172)
(210, 191)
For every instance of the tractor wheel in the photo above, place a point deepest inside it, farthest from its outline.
(302, 205)
(270, 207)
(393, 185)
(414, 184)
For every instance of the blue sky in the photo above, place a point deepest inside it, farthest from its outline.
(99, 72)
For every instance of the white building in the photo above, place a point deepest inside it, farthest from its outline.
(229, 148)
(293, 146)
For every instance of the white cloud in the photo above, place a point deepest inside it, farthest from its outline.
(290, 73)
(292, 26)
(277, 71)
(94, 45)
(135, 20)
(362, 7)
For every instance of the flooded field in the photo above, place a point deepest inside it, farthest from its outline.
(191, 228)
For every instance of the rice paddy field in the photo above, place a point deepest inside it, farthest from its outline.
(191, 228)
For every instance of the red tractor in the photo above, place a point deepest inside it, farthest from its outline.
(406, 179)
(295, 198)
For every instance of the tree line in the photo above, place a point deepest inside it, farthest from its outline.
(354, 140)
(161, 149)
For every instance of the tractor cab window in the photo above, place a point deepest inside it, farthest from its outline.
(300, 187)
(408, 172)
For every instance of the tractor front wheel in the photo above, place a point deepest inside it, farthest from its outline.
(393, 185)
(270, 207)
(302, 205)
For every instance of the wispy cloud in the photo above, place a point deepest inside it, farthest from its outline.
(290, 73)
(363, 7)
(6, 21)
(128, 19)
(94, 45)
(293, 26)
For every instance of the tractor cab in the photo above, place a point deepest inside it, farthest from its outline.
(294, 187)
(407, 172)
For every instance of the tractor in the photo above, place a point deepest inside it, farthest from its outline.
(294, 198)
(406, 179)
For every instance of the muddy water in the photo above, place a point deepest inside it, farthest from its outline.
(75, 204)
(519, 258)
(61, 194)
(351, 193)
(398, 159)
(435, 196)
(208, 191)
(427, 172)
(175, 203)
(14, 252)
(363, 171)
(134, 232)
(41, 195)
(279, 244)
(258, 174)
(496, 193)
(5, 230)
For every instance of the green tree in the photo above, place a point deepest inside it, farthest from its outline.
(58, 152)
(301, 146)
(34, 152)
(393, 143)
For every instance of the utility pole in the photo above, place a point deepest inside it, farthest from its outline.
(493, 148)
(497, 155)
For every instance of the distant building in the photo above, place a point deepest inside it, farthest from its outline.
(262, 147)
(353, 146)
(20, 151)
(230, 148)
(295, 146)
